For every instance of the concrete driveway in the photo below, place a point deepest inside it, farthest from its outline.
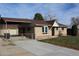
(10, 50)
(44, 49)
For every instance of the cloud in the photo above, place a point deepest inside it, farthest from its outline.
(62, 11)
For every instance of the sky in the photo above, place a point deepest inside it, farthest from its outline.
(63, 12)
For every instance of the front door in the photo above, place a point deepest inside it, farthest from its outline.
(52, 31)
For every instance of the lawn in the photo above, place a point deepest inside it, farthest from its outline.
(69, 41)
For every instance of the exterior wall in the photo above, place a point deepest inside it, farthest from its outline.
(12, 29)
(40, 35)
(60, 31)
(56, 32)
(63, 32)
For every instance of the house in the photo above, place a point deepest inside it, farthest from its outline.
(37, 29)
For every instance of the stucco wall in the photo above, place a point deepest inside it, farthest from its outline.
(56, 32)
(60, 31)
(40, 34)
(12, 29)
(64, 32)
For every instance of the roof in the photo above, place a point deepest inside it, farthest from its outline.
(50, 22)
(62, 25)
(35, 22)
(40, 22)
(16, 20)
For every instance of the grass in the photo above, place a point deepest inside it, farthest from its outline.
(69, 41)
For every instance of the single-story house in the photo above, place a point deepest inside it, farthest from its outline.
(37, 29)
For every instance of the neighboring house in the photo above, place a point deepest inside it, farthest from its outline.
(37, 29)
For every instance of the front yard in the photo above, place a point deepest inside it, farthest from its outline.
(69, 41)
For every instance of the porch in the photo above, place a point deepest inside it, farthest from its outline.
(16, 28)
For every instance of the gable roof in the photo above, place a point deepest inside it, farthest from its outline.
(52, 22)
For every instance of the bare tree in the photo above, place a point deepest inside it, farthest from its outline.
(50, 17)
(74, 20)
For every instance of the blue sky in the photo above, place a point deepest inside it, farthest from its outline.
(62, 11)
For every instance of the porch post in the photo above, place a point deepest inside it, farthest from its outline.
(6, 28)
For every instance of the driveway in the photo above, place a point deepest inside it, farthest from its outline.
(44, 49)
(9, 50)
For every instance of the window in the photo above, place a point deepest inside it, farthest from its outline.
(42, 29)
(62, 28)
(45, 29)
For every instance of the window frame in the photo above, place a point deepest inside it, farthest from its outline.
(45, 29)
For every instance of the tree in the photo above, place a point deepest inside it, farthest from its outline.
(74, 23)
(74, 30)
(38, 16)
(74, 20)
